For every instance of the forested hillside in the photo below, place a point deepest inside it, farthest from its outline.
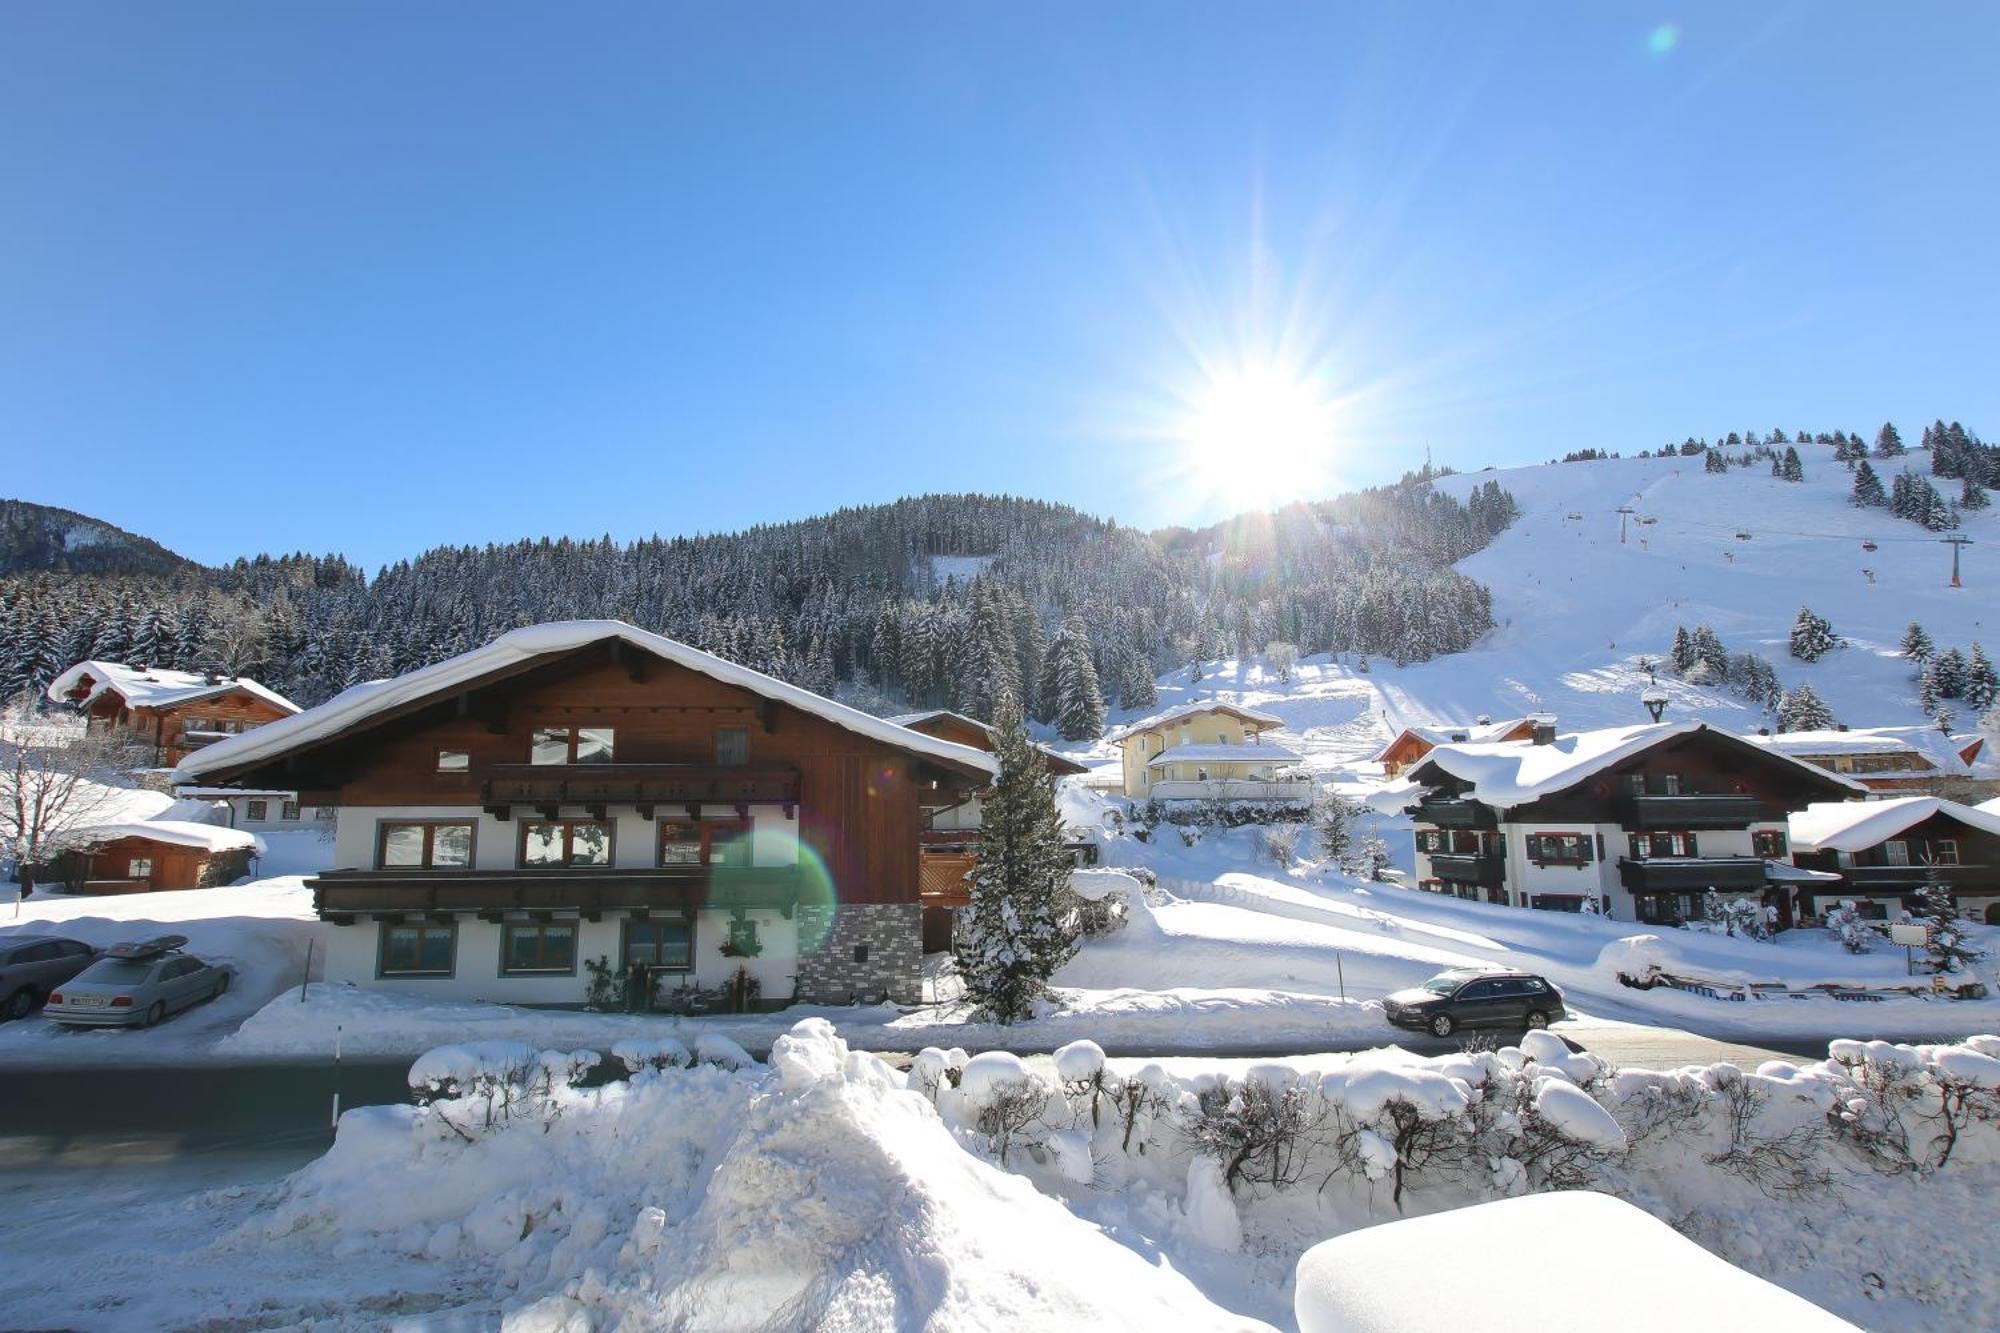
(41, 537)
(933, 600)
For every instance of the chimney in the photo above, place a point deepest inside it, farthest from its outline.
(1458, 736)
(1484, 719)
(1542, 728)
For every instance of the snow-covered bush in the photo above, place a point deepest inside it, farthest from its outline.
(1907, 1107)
(1854, 931)
(639, 1054)
(1257, 1130)
(479, 1086)
(1007, 1102)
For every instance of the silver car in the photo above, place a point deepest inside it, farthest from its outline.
(33, 965)
(136, 984)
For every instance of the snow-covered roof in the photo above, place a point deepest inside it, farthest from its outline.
(914, 721)
(232, 793)
(1507, 774)
(156, 687)
(1991, 807)
(1224, 754)
(1194, 709)
(1472, 733)
(1853, 826)
(1942, 751)
(178, 832)
(358, 704)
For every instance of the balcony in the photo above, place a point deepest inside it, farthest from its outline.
(1485, 869)
(1909, 879)
(344, 893)
(1694, 812)
(1450, 812)
(1691, 874)
(1232, 789)
(504, 785)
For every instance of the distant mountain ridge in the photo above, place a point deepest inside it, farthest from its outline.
(38, 538)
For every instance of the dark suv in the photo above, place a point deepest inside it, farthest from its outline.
(1470, 998)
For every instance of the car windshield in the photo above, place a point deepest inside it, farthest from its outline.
(1444, 983)
(121, 971)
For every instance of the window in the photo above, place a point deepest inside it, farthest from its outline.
(565, 842)
(257, 810)
(420, 845)
(1944, 852)
(537, 946)
(1896, 852)
(664, 944)
(565, 745)
(1670, 784)
(732, 746)
(424, 950)
(1635, 784)
(139, 867)
(1663, 844)
(1767, 842)
(680, 845)
(323, 812)
(454, 761)
(289, 810)
(1560, 848)
(728, 842)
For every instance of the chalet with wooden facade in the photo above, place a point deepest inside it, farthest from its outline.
(1883, 853)
(1413, 743)
(170, 713)
(588, 790)
(1639, 821)
(148, 855)
(1901, 760)
(950, 837)
(1208, 751)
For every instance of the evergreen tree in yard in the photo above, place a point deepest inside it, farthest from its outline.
(1868, 490)
(1804, 710)
(1333, 820)
(1982, 686)
(1888, 443)
(1916, 645)
(1812, 636)
(1079, 703)
(1949, 674)
(1939, 914)
(1022, 923)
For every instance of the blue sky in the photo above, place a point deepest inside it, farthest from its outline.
(371, 278)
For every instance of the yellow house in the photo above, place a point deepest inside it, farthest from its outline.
(1207, 751)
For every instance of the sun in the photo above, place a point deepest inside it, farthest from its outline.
(1260, 435)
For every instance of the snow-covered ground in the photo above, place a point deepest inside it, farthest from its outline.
(825, 1190)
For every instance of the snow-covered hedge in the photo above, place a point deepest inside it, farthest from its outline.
(715, 1175)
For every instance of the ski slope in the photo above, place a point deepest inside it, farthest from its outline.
(1576, 610)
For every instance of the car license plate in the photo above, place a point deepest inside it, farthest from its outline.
(86, 1001)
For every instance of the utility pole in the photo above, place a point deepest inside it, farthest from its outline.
(1624, 511)
(1957, 541)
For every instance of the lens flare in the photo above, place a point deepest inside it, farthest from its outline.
(1664, 39)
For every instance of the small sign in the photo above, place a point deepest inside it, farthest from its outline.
(1910, 936)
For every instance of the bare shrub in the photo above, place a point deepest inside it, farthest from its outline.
(1261, 1134)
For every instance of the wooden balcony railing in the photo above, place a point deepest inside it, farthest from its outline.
(1486, 869)
(1730, 810)
(1691, 875)
(346, 893)
(642, 784)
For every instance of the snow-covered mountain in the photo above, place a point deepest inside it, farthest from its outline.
(1577, 610)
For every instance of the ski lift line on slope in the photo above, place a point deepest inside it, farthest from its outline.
(1818, 536)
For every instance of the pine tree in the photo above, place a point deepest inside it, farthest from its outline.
(1709, 654)
(1945, 928)
(1949, 674)
(1804, 710)
(1022, 922)
(1971, 495)
(1136, 688)
(1888, 443)
(1713, 461)
(1867, 490)
(1812, 636)
(1793, 469)
(1333, 821)
(1982, 686)
(1680, 657)
(1927, 693)
(1916, 645)
(1079, 702)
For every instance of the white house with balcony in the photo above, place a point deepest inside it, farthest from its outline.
(1208, 751)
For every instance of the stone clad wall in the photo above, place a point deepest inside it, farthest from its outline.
(893, 934)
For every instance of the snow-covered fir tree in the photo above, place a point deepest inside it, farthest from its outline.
(1982, 685)
(1916, 644)
(1889, 442)
(1791, 469)
(1944, 927)
(1867, 492)
(1713, 460)
(1812, 636)
(1071, 684)
(1680, 657)
(1803, 710)
(1949, 674)
(1022, 922)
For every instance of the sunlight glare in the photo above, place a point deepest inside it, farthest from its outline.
(1258, 435)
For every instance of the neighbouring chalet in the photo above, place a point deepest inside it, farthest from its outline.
(949, 841)
(1208, 751)
(1884, 852)
(588, 790)
(147, 855)
(1641, 819)
(1413, 743)
(1903, 760)
(173, 713)
(263, 809)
